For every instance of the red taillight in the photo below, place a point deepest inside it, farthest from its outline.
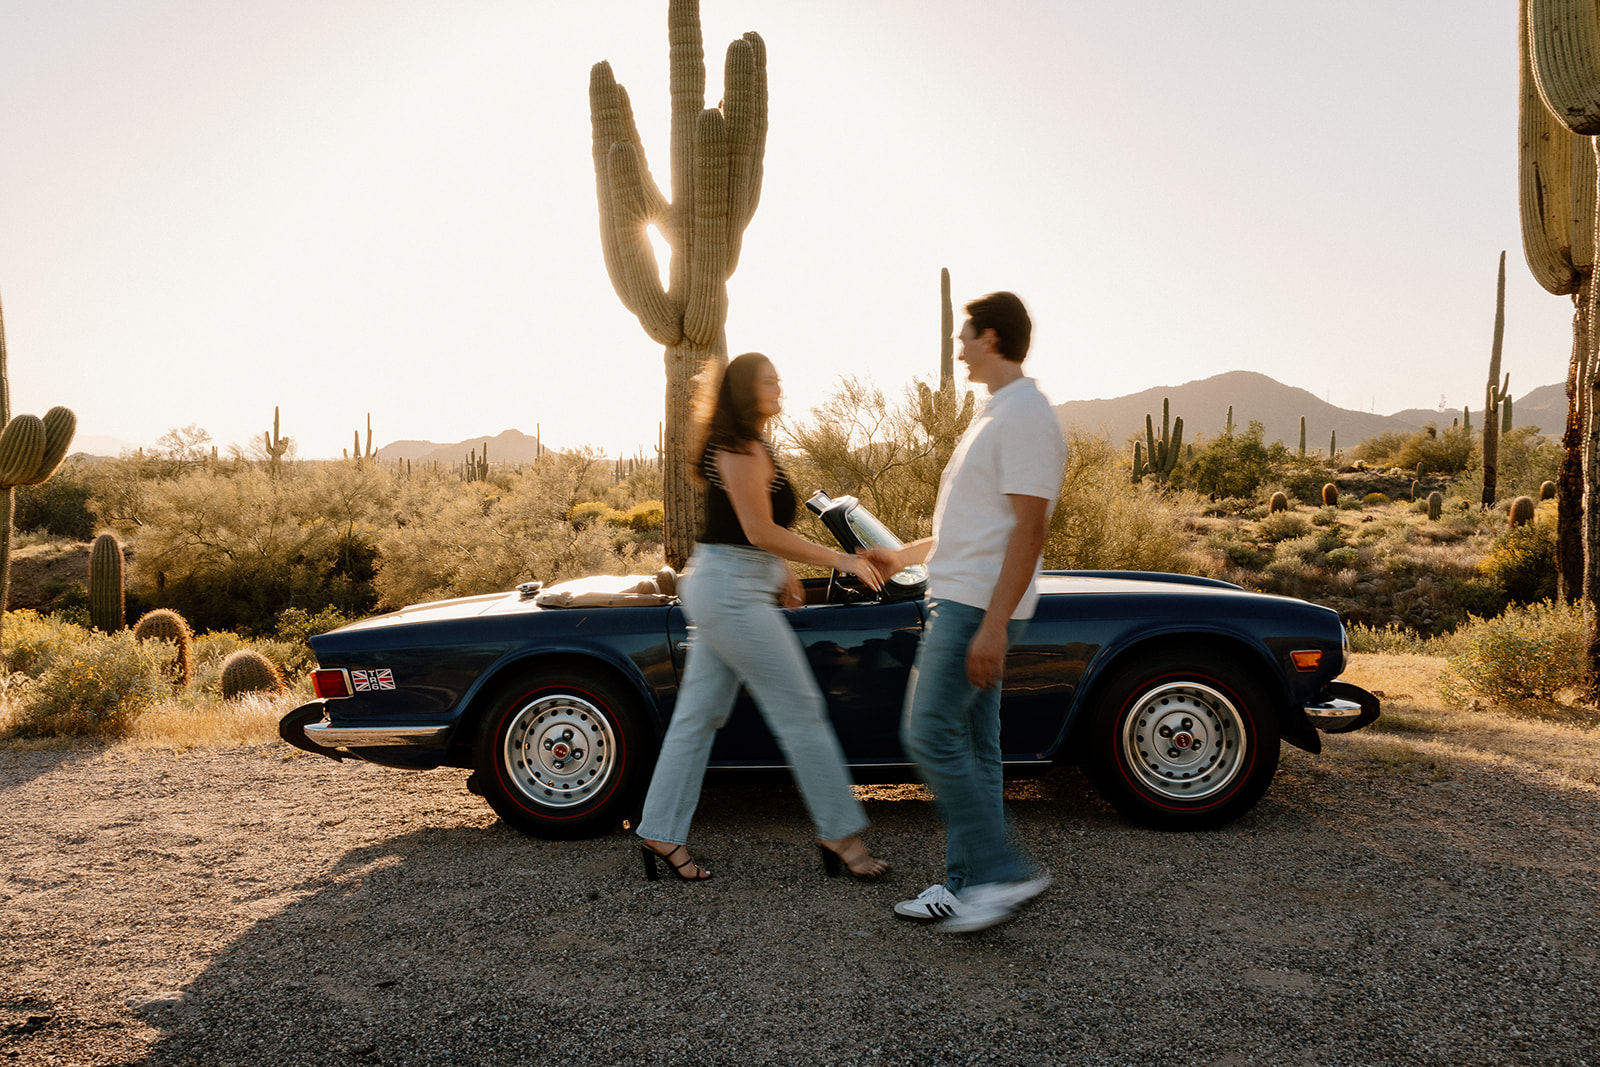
(331, 683)
(1306, 662)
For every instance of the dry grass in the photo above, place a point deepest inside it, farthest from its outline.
(189, 721)
(1561, 741)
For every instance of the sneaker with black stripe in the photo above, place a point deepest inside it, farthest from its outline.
(934, 902)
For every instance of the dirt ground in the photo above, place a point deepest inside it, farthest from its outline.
(1395, 899)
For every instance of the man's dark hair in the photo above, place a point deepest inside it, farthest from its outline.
(1003, 313)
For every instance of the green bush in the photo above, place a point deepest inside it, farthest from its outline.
(1103, 523)
(1282, 526)
(1448, 451)
(1232, 464)
(1523, 560)
(1375, 499)
(59, 506)
(96, 687)
(1344, 557)
(1527, 653)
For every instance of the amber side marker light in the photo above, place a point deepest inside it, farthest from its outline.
(332, 683)
(1306, 662)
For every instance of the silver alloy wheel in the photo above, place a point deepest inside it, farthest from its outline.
(559, 750)
(1184, 741)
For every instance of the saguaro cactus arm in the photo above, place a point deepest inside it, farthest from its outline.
(1565, 36)
(1547, 180)
(744, 104)
(707, 308)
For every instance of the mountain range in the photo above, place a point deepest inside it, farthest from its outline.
(1204, 404)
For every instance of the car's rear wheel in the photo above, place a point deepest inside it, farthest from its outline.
(1179, 744)
(562, 754)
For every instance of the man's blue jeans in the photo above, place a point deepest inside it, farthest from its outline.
(952, 729)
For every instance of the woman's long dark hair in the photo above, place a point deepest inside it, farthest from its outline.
(726, 413)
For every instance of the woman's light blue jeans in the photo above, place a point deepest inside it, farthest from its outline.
(952, 729)
(741, 637)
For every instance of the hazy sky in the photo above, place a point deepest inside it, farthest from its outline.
(211, 207)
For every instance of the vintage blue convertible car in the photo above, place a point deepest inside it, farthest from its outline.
(1172, 692)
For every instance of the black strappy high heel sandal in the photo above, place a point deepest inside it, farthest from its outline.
(650, 856)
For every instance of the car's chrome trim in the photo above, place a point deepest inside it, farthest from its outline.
(1332, 713)
(331, 736)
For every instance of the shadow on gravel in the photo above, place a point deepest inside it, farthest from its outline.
(1290, 937)
(18, 766)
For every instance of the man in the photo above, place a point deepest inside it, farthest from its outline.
(989, 526)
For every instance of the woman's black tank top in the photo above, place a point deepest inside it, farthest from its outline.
(722, 524)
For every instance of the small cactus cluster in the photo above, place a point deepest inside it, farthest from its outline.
(164, 624)
(248, 671)
(1159, 455)
(106, 586)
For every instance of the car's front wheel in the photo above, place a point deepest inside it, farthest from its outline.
(1179, 744)
(562, 755)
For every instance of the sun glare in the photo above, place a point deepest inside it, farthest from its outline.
(663, 254)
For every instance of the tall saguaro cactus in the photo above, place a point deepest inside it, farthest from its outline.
(1560, 43)
(31, 449)
(1493, 397)
(1556, 177)
(944, 415)
(716, 167)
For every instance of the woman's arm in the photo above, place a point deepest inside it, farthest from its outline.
(746, 476)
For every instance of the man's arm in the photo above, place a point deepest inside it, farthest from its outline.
(987, 653)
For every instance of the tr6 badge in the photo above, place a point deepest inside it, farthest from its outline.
(366, 681)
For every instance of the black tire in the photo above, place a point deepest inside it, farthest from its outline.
(561, 755)
(1220, 733)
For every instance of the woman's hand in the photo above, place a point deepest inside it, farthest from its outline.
(863, 567)
(794, 594)
(886, 559)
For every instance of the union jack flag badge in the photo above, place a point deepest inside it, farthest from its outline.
(366, 681)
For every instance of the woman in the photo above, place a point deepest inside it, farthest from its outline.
(730, 591)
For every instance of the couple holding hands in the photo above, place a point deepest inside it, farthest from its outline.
(989, 525)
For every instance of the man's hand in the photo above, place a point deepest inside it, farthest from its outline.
(887, 560)
(986, 655)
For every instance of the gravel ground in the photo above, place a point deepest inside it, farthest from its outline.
(246, 907)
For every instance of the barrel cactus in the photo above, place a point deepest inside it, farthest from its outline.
(1521, 512)
(164, 624)
(1435, 506)
(1330, 495)
(1547, 490)
(106, 586)
(1278, 502)
(248, 671)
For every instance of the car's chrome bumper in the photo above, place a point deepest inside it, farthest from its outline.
(328, 735)
(1342, 707)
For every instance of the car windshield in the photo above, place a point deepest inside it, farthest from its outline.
(869, 531)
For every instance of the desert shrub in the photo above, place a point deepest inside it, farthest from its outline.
(1390, 638)
(1232, 464)
(96, 687)
(1523, 560)
(461, 539)
(1282, 525)
(33, 641)
(1103, 523)
(588, 511)
(1372, 500)
(647, 516)
(1526, 653)
(291, 640)
(1448, 451)
(1306, 549)
(1380, 449)
(59, 506)
(231, 550)
(1325, 515)
(859, 443)
(1343, 556)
